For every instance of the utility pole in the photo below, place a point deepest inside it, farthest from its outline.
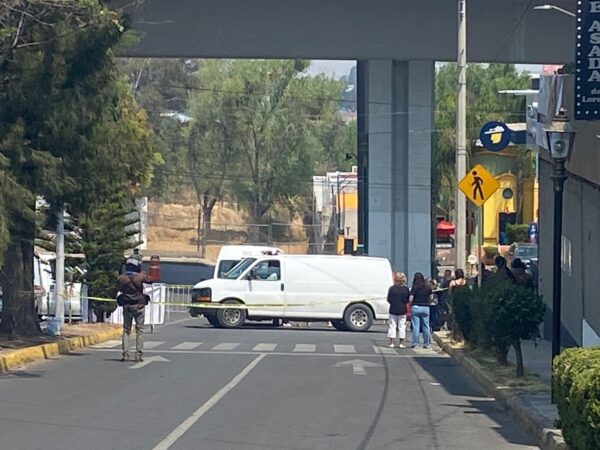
(60, 266)
(461, 137)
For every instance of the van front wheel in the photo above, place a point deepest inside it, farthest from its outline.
(231, 317)
(358, 317)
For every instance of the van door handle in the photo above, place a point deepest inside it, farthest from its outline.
(282, 286)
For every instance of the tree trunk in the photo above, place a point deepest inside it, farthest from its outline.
(206, 223)
(199, 231)
(519, 358)
(18, 309)
(502, 353)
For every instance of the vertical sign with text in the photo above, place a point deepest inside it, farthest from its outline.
(587, 78)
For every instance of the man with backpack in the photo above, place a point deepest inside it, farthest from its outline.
(134, 301)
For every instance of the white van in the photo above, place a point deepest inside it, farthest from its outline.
(349, 291)
(230, 255)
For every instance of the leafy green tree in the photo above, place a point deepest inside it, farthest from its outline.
(484, 104)
(105, 240)
(162, 88)
(67, 128)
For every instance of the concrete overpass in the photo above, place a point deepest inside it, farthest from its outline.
(396, 43)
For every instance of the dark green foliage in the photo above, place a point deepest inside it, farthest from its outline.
(498, 317)
(69, 131)
(105, 241)
(576, 384)
(491, 252)
(517, 232)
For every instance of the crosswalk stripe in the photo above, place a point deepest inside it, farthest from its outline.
(226, 346)
(384, 350)
(107, 344)
(264, 347)
(153, 344)
(187, 346)
(344, 348)
(305, 348)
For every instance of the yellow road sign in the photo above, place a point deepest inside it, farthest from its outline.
(478, 185)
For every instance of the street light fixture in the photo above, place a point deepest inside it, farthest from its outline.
(555, 8)
(561, 136)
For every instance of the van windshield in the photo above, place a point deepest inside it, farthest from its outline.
(225, 266)
(235, 273)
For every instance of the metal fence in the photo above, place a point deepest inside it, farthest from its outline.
(292, 238)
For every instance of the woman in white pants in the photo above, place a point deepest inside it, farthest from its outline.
(398, 296)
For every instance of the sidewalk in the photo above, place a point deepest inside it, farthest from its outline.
(527, 400)
(20, 351)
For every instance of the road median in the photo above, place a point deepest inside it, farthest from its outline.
(17, 353)
(514, 394)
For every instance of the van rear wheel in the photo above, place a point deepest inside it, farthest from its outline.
(231, 317)
(339, 325)
(358, 317)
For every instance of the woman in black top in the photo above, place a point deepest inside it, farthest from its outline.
(420, 298)
(398, 299)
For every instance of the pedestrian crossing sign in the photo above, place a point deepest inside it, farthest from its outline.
(478, 185)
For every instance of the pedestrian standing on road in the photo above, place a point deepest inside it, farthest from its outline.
(134, 301)
(397, 297)
(420, 298)
(459, 280)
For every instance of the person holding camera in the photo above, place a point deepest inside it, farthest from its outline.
(134, 301)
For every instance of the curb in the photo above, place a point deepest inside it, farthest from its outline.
(547, 436)
(18, 358)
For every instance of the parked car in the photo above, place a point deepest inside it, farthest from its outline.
(349, 291)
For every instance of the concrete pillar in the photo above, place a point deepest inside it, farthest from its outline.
(397, 115)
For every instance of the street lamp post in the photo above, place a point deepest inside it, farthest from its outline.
(555, 8)
(560, 137)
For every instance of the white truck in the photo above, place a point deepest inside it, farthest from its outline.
(349, 291)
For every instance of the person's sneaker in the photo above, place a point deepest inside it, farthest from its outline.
(402, 346)
(414, 346)
(124, 358)
(426, 347)
(391, 345)
(139, 358)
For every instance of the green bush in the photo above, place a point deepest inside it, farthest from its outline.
(490, 252)
(497, 317)
(517, 232)
(576, 384)
(513, 313)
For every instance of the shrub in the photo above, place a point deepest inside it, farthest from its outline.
(576, 384)
(513, 313)
(490, 252)
(517, 232)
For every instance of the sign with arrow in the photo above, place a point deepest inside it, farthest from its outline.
(147, 361)
(358, 365)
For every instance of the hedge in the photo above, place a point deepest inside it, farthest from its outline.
(576, 384)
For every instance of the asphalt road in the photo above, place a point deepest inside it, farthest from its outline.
(250, 389)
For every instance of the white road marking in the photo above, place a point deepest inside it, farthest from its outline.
(226, 346)
(190, 421)
(148, 360)
(187, 345)
(107, 344)
(305, 348)
(358, 365)
(264, 347)
(384, 350)
(239, 352)
(153, 344)
(344, 348)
